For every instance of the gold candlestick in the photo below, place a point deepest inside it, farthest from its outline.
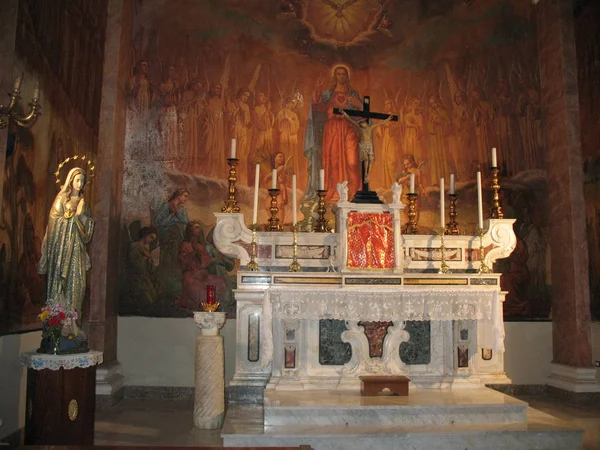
(482, 267)
(411, 226)
(252, 266)
(321, 225)
(443, 266)
(496, 209)
(295, 265)
(274, 209)
(452, 226)
(231, 205)
(10, 111)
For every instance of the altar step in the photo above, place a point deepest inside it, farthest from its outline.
(421, 407)
(436, 419)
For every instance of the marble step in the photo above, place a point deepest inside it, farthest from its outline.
(244, 428)
(420, 407)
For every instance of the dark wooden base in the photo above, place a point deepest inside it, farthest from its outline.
(60, 406)
(373, 384)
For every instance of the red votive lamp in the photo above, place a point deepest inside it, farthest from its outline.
(210, 294)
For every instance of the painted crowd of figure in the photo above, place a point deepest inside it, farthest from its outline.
(196, 121)
(171, 262)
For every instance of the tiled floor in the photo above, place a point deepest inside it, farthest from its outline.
(169, 423)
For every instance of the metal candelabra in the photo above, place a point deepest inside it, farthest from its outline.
(496, 209)
(411, 226)
(252, 266)
(231, 205)
(483, 268)
(274, 209)
(452, 226)
(443, 266)
(9, 112)
(321, 225)
(295, 265)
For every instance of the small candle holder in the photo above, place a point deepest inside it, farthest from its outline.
(482, 266)
(274, 209)
(496, 209)
(295, 265)
(321, 225)
(443, 266)
(452, 226)
(231, 205)
(210, 305)
(411, 226)
(252, 266)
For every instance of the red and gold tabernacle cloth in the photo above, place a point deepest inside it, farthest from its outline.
(370, 240)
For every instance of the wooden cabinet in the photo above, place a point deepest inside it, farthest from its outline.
(60, 406)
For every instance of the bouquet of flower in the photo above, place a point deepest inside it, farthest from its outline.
(54, 318)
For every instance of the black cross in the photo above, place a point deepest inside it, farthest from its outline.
(365, 195)
(366, 112)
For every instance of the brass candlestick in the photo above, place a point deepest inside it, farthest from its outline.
(274, 209)
(411, 226)
(231, 205)
(9, 112)
(210, 307)
(482, 267)
(321, 225)
(443, 266)
(252, 266)
(295, 265)
(452, 226)
(496, 209)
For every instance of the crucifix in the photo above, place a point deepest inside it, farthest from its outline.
(365, 144)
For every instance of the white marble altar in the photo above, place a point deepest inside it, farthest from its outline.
(209, 392)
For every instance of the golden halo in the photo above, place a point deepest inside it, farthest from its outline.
(345, 66)
(86, 162)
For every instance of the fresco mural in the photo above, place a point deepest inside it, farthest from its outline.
(461, 76)
(61, 46)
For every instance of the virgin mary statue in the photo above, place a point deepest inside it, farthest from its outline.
(64, 256)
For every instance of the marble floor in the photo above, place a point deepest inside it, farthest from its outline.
(169, 423)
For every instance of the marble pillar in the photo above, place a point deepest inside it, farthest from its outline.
(209, 393)
(564, 166)
(8, 31)
(104, 249)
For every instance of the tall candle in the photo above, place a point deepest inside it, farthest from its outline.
(452, 187)
(412, 183)
(479, 200)
(274, 180)
(255, 210)
(322, 179)
(494, 158)
(442, 206)
(210, 294)
(294, 216)
(233, 148)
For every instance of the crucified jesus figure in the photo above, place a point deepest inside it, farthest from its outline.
(365, 142)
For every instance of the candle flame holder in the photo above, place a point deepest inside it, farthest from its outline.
(295, 265)
(452, 226)
(252, 266)
(496, 209)
(9, 112)
(210, 307)
(231, 205)
(483, 268)
(443, 266)
(411, 226)
(321, 225)
(274, 209)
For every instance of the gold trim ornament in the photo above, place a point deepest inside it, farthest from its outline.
(73, 409)
(88, 167)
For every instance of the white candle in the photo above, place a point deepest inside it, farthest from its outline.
(233, 147)
(412, 183)
(255, 210)
(479, 200)
(18, 82)
(494, 159)
(294, 216)
(442, 206)
(322, 179)
(452, 187)
(274, 180)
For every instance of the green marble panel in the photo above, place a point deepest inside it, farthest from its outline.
(332, 351)
(418, 349)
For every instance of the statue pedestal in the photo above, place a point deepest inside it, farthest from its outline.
(61, 398)
(209, 393)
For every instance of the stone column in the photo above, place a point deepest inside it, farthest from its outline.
(209, 394)
(572, 365)
(104, 250)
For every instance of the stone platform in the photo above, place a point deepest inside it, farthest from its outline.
(427, 419)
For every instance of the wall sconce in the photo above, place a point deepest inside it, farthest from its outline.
(7, 113)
